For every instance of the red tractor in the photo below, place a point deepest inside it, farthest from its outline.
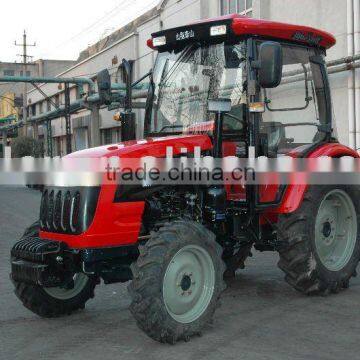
(177, 243)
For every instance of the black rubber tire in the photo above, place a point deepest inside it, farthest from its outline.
(147, 305)
(298, 256)
(40, 302)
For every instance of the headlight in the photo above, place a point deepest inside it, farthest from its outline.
(159, 41)
(218, 30)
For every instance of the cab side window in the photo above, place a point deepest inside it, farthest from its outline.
(295, 109)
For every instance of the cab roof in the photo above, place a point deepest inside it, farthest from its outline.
(241, 26)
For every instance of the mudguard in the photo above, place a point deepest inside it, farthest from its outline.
(294, 193)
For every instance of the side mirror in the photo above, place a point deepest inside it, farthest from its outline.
(270, 64)
(127, 67)
(128, 126)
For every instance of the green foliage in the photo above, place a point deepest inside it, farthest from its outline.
(26, 146)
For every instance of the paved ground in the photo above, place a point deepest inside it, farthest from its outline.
(260, 318)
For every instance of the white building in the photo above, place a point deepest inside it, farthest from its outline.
(340, 17)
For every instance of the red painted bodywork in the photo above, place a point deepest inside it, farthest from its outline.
(295, 193)
(117, 224)
(243, 26)
(248, 26)
(155, 147)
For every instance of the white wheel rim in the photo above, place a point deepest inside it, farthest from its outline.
(189, 284)
(336, 230)
(60, 293)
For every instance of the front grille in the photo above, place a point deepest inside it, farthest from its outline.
(57, 210)
(68, 210)
(50, 210)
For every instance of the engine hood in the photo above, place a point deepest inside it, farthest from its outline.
(155, 147)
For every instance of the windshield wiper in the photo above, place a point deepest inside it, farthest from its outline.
(171, 127)
(176, 64)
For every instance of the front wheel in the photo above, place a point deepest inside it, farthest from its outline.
(178, 280)
(56, 301)
(322, 244)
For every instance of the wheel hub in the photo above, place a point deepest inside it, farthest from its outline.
(186, 282)
(70, 289)
(327, 229)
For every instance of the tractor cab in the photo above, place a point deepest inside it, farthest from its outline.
(274, 75)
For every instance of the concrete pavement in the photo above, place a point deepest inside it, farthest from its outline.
(261, 316)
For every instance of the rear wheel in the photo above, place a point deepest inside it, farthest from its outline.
(178, 280)
(322, 245)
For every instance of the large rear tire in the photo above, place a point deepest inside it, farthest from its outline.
(58, 301)
(321, 240)
(178, 280)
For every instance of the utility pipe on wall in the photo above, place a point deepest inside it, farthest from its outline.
(357, 71)
(351, 89)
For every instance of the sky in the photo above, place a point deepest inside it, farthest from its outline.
(62, 28)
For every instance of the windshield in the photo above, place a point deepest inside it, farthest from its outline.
(184, 82)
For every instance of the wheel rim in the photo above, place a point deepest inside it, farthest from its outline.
(63, 293)
(189, 284)
(336, 230)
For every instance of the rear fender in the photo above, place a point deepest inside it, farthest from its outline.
(294, 193)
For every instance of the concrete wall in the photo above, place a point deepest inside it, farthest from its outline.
(17, 89)
(328, 15)
(53, 67)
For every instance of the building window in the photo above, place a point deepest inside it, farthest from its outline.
(40, 107)
(242, 7)
(78, 92)
(48, 105)
(57, 100)
(33, 109)
(118, 135)
(9, 73)
(107, 136)
(28, 73)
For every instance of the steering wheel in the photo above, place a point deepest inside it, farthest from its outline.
(275, 133)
